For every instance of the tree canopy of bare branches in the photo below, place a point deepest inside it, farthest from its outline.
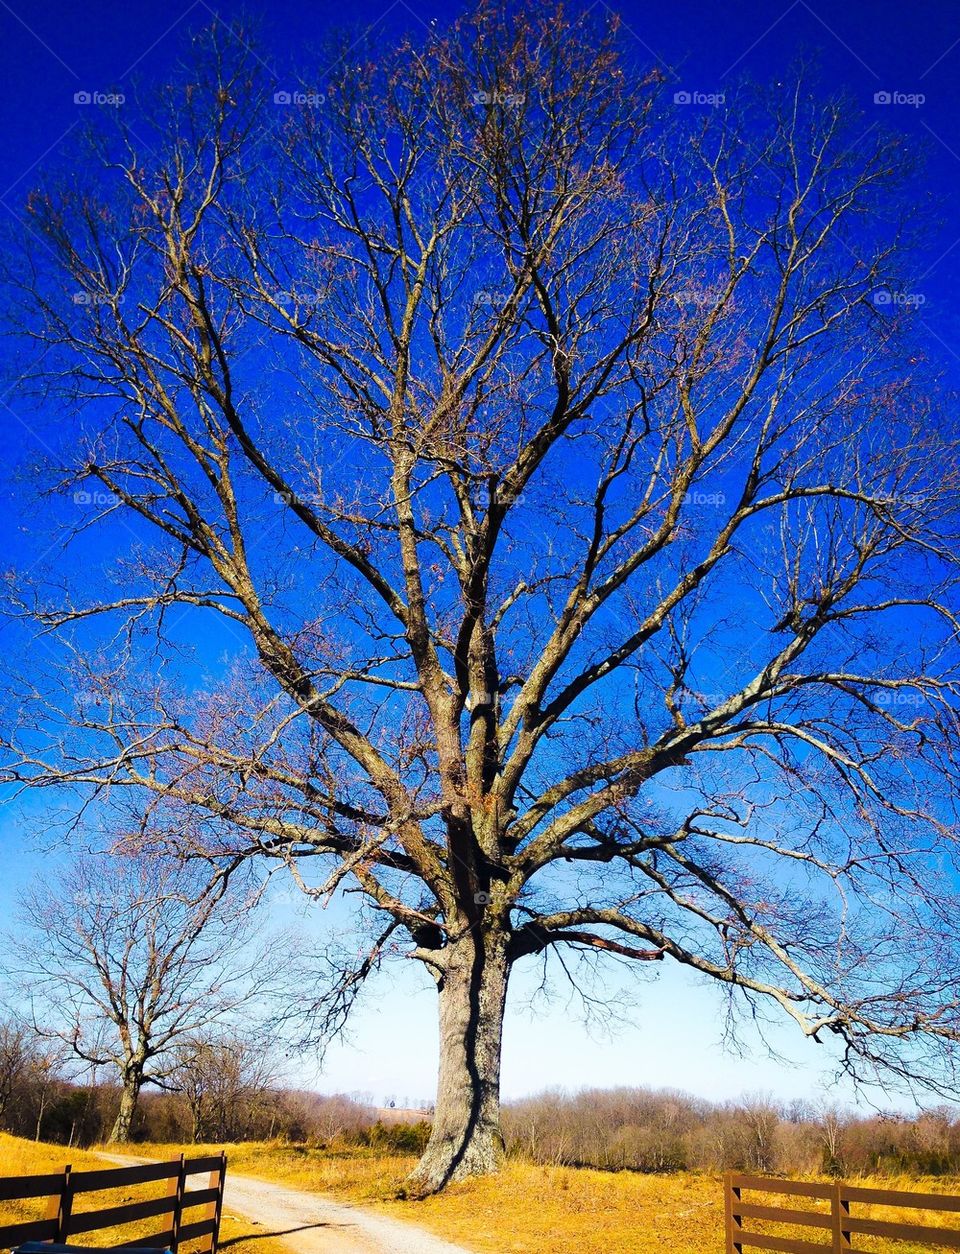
(580, 529)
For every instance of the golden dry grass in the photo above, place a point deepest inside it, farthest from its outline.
(25, 1158)
(529, 1209)
(22, 1158)
(525, 1210)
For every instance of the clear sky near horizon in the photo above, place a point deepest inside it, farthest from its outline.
(900, 63)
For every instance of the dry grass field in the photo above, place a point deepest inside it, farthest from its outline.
(526, 1210)
(530, 1209)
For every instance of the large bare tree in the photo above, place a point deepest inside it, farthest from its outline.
(568, 499)
(125, 958)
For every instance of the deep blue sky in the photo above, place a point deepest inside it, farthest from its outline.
(51, 51)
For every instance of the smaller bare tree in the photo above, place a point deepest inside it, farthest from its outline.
(32, 1070)
(759, 1118)
(127, 956)
(45, 1079)
(831, 1121)
(16, 1054)
(226, 1083)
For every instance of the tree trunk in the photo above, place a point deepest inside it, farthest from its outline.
(132, 1083)
(40, 1114)
(466, 1139)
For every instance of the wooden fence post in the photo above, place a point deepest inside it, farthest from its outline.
(839, 1211)
(55, 1203)
(731, 1196)
(218, 1205)
(175, 1187)
(60, 1205)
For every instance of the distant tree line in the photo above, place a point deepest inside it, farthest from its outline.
(225, 1091)
(644, 1130)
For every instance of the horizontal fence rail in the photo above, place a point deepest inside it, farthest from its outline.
(178, 1215)
(834, 1229)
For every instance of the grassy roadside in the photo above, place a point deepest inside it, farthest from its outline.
(529, 1209)
(23, 1158)
(525, 1210)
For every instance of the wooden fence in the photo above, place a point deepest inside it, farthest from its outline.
(839, 1226)
(63, 1221)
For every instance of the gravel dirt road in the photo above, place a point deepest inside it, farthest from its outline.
(310, 1223)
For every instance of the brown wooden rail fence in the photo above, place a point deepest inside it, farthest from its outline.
(839, 1226)
(63, 1221)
